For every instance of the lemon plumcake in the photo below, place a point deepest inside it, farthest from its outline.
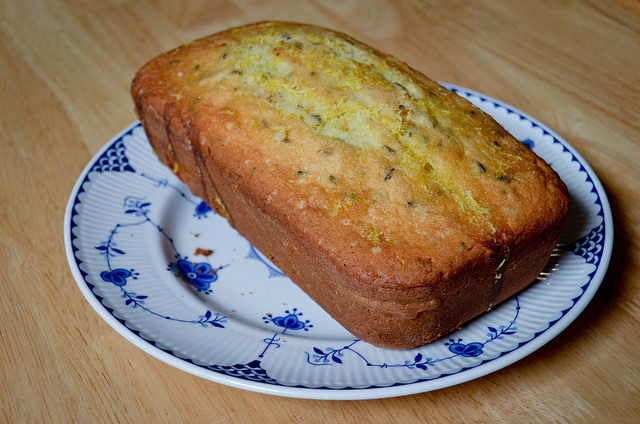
(399, 207)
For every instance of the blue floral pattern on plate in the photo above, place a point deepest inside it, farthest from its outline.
(164, 270)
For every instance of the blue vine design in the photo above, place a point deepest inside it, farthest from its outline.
(202, 209)
(199, 275)
(331, 356)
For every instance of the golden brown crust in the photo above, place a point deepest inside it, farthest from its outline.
(398, 206)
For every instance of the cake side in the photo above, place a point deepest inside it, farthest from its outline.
(399, 207)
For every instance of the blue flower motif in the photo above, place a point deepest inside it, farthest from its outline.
(469, 350)
(202, 209)
(117, 276)
(289, 322)
(136, 206)
(200, 275)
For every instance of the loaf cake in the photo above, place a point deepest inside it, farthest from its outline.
(399, 207)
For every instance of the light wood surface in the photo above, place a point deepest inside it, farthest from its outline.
(65, 69)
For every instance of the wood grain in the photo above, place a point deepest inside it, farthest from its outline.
(65, 68)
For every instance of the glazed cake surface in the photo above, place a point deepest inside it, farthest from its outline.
(399, 207)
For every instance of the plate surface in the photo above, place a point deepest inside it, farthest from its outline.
(173, 278)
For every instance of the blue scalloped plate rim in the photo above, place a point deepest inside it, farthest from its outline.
(594, 245)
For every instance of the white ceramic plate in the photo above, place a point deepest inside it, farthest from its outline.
(174, 279)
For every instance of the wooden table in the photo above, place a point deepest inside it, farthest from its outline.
(65, 68)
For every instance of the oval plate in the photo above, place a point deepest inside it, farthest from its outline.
(174, 279)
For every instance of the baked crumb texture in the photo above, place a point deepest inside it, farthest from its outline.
(402, 209)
